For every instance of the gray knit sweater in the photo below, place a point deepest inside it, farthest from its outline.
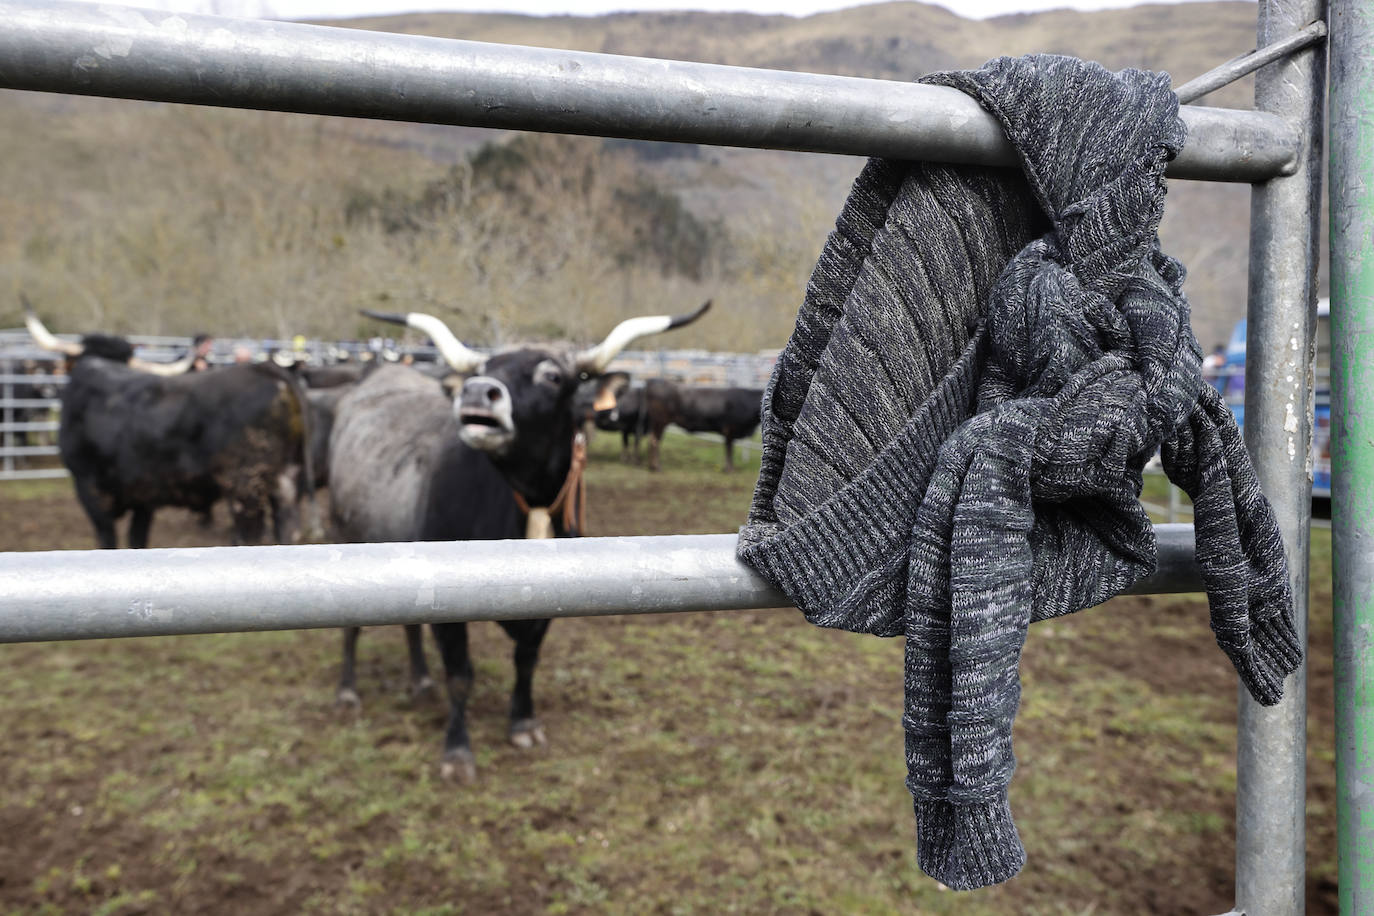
(954, 436)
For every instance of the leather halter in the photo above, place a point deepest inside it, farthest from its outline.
(571, 498)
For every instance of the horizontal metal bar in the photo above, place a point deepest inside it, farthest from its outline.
(14, 451)
(34, 379)
(37, 426)
(1246, 64)
(33, 473)
(29, 402)
(109, 593)
(90, 49)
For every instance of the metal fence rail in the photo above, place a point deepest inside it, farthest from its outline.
(114, 51)
(93, 594)
(104, 50)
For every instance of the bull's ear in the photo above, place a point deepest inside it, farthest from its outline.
(609, 388)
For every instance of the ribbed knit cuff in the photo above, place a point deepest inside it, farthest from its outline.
(1274, 652)
(966, 847)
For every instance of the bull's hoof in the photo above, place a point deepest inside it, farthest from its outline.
(459, 766)
(527, 733)
(424, 691)
(347, 699)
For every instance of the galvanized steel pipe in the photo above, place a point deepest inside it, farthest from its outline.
(1246, 64)
(107, 593)
(121, 52)
(1271, 754)
(1352, 442)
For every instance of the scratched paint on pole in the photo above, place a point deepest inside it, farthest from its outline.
(1352, 443)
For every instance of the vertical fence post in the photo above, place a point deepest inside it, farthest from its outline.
(1271, 781)
(1352, 442)
(8, 394)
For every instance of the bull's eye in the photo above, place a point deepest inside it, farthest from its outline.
(546, 373)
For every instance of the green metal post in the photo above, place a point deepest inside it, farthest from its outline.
(1352, 441)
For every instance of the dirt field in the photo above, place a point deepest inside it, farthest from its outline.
(703, 763)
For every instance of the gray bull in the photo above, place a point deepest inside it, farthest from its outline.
(412, 459)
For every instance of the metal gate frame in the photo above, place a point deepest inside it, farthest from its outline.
(117, 52)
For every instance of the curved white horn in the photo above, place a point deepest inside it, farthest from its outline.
(44, 338)
(180, 367)
(597, 358)
(459, 357)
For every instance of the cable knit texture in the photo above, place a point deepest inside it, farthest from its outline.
(954, 436)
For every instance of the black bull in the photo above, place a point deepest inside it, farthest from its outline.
(731, 412)
(135, 442)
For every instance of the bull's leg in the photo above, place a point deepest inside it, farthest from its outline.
(525, 730)
(729, 454)
(638, 458)
(421, 684)
(249, 522)
(625, 446)
(283, 500)
(457, 762)
(347, 695)
(101, 517)
(139, 524)
(655, 438)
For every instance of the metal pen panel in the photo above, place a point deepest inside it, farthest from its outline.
(121, 52)
(110, 593)
(1271, 773)
(1352, 443)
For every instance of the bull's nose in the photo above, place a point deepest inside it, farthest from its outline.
(482, 393)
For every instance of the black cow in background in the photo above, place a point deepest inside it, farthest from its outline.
(493, 458)
(137, 436)
(731, 412)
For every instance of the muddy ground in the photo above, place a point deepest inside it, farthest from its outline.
(697, 763)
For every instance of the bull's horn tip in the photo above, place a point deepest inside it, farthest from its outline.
(679, 320)
(392, 317)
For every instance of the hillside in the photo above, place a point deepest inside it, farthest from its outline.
(142, 217)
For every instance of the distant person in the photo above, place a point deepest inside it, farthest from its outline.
(242, 355)
(1212, 365)
(201, 345)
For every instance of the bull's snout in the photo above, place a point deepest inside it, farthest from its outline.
(484, 414)
(481, 393)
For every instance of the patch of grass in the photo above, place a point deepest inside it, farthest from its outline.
(35, 489)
